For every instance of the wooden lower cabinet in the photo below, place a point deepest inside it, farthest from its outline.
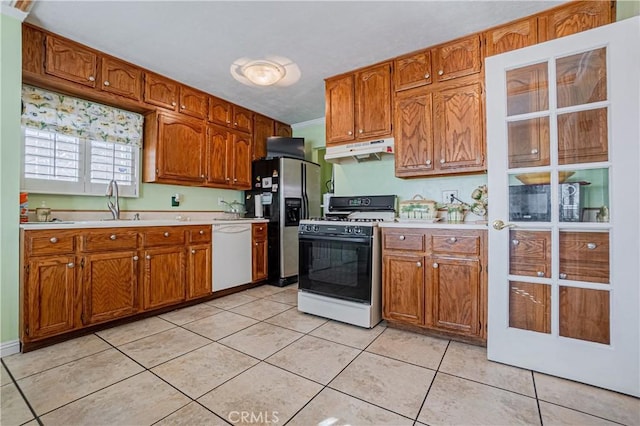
(163, 281)
(259, 252)
(435, 279)
(199, 271)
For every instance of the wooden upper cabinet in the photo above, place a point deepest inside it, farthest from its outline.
(161, 91)
(412, 70)
(181, 148)
(263, 127)
(574, 17)
(71, 61)
(32, 50)
(217, 145)
(414, 133)
(121, 78)
(340, 109)
(282, 129)
(373, 101)
(242, 119)
(241, 161)
(458, 58)
(514, 35)
(193, 102)
(219, 111)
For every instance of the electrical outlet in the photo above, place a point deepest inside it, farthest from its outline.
(447, 194)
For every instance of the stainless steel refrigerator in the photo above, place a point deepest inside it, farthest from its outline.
(290, 191)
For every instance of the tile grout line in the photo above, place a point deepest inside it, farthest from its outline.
(24, 398)
(424, 400)
(535, 392)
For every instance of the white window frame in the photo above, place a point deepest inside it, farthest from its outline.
(84, 186)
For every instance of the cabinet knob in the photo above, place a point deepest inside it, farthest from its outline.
(453, 239)
(166, 234)
(235, 180)
(70, 265)
(201, 232)
(235, 124)
(173, 103)
(442, 161)
(261, 228)
(440, 72)
(53, 240)
(227, 179)
(419, 264)
(401, 237)
(228, 121)
(148, 257)
(540, 274)
(113, 237)
(255, 244)
(92, 78)
(106, 83)
(202, 176)
(361, 131)
(435, 265)
(193, 251)
(592, 246)
(350, 133)
(183, 107)
(563, 276)
(428, 162)
(135, 258)
(534, 151)
(427, 75)
(515, 242)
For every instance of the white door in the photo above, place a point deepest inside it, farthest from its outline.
(563, 138)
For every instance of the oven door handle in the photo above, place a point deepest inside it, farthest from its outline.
(357, 240)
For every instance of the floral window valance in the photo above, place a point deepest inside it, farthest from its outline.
(76, 117)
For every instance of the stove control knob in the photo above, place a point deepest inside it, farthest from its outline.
(308, 228)
(348, 229)
(357, 230)
(316, 228)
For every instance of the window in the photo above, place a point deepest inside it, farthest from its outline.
(71, 146)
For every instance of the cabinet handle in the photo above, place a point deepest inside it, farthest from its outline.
(53, 240)
(515, 242)
(228, 121)
(235, 124)
(255, 244)
(201, 232)
(453, 240)
(534, 151)
(148, 257)
(419, 264)
(427, 75)
(428, 162)
(540, 274)
(442, 161)
(227, 179)
(350, 133)
(92, 78)
(193, 251)
(113, 237)
(401, 237)
(592, 246)
(235, 180)
(106, 83)
(361, 131)
(70, 265)
(166, 234)
(260, 229)
(136, 258)
(435, 265)
(173, 103)
(563, 276)
(183, 107)
(440, 72)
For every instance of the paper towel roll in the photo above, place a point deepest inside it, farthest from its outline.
(258, 205)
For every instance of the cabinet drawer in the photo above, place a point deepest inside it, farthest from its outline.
(259, 232)
(50, 242)
(403, 239)
(199, 234)
(163, 236)
(456, 244)
(109, 239)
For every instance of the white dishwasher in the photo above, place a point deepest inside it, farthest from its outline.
(231, 255)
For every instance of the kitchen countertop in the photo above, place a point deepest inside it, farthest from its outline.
(79, 224)
(434, 225)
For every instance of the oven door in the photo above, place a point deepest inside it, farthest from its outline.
(336, 266)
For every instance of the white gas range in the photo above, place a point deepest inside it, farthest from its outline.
(339, 260)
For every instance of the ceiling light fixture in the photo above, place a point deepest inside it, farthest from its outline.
(263, 72)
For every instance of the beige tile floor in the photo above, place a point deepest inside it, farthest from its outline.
(252, 358)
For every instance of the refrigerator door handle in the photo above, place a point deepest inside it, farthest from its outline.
(305, 208)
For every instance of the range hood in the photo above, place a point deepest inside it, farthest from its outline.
(359, 151)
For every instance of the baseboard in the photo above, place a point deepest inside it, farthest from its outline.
(9, 348)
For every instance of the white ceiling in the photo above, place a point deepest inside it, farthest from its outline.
(195, 42)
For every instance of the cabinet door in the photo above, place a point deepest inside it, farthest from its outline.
(50, 298)
(459, 145)
(412, 70)
(241, 161)
(403, 288)
(193, 102)
(259, 260)
(218, 168)
(512, 36)
(340, 109)
(262, 129)
(220, 111)
(242, 119)
(283, 130)
(164, 277)
(373, 101)
(453, 295)
(181, 148)
(414, 133)
(121, 78)
(110, 286)
(199, 271)
(70, 61)
(32, 50)
(459, 58)
(575, 17)
(160, 91)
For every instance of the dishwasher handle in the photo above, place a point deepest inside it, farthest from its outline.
(233, 229)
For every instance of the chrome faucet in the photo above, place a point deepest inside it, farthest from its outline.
(112, 190)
